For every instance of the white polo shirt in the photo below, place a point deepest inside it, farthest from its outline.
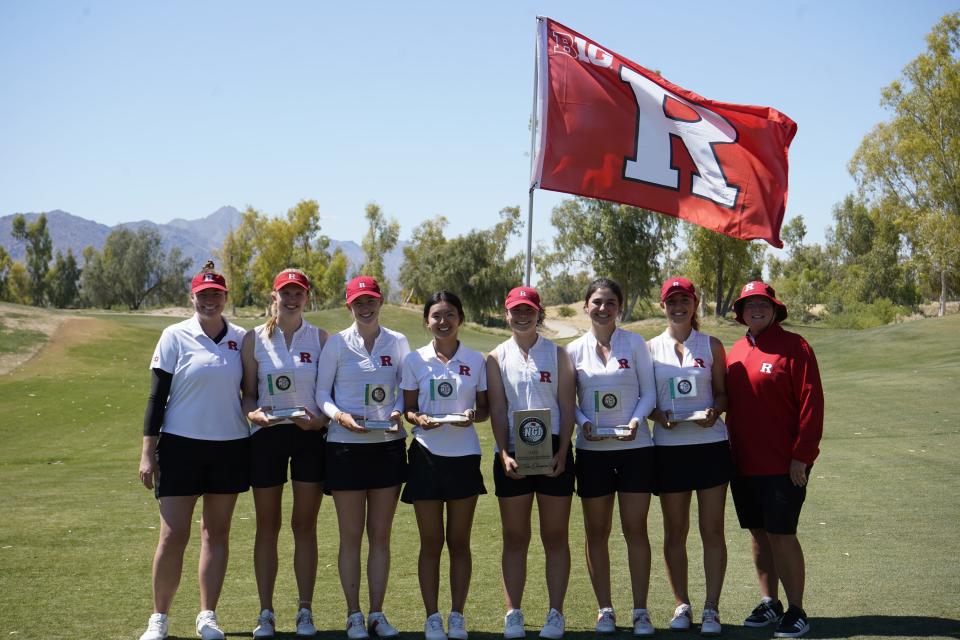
(346, 369)
(467, 373)
(530, 382)
(204, 400)
(627, 372)
(697, 362)
(299, 361)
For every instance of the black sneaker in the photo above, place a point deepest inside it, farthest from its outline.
(765, 613)
(793, 625)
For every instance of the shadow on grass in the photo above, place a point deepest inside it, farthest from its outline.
(824, 628)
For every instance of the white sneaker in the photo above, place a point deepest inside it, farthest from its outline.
(157, 627)
(356, 628)
(456, 626)
(606, 621)
(553, 627)
(682, 617)
(207, 626)
(710, 624)
(266, 625)
(642, 627)
(377, 625)
(305, 628)
(433, 628)
(513, 625)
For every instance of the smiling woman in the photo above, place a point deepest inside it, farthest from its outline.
(195, 442)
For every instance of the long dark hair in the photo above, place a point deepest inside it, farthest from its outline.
(443, 296)
(604, 283)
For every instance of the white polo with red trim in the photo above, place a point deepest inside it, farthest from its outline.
(204, 400)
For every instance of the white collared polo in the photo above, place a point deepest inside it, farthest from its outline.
(204, 401)
(301, 359)
(466, 368)
(530, 381)
(629, 372)
(346, 368)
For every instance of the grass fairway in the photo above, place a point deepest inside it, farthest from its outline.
(77, 531)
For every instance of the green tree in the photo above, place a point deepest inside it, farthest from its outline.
(419, 275)
(720, 265)
(912, 162)
(5, 263)
(39, 252)
(613, 240)
(18, 283)
(331, 289)
(62, 281)
(803, 277)
(380, 239)
(235, 256)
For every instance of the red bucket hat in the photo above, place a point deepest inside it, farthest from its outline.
(362, 286)
(677, 285)
(758, 288)
(523, 295)
(291, 277)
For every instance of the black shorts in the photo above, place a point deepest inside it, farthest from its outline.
(358, 467)
(560, 486)
(600, 473)
(193, 467)
(691, 467)
(771, 503)
(273, 449)
(433, 477)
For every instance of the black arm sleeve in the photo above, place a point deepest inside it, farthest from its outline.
(160, 383)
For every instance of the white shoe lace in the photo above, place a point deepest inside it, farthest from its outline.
(455, 621)
(304, 616)
(155, 623)
(555, 619)
(434, 623)
(515, 618)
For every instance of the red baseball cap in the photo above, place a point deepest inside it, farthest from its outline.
(290, 276)
(523, 295)
(208, 280)
(762, 289)
(677, 285)
(362, 286)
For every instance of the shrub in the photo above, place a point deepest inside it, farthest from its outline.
(566, 312)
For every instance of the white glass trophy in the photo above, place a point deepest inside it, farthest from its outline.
(606, 406)
(281, 387)
(683, 389)
(378, 404)
(443, 395)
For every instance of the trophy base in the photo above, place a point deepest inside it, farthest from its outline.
(378, 425)
(450, 418)
(688, 417)
(607, 432)
(283, 414)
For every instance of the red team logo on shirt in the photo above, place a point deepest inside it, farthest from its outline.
(700, 363)
(464, 370)
(305, 357)
(545, 376)
(385, 361)
(232, 345)
(624, 363)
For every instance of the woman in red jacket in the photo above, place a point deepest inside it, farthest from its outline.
(775, 420)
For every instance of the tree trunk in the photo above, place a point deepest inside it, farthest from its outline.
(718, 296)
(943, 293)
(626, 311)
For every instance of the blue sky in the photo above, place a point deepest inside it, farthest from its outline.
(119, 111)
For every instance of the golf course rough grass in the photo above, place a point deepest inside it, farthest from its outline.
(78, 531)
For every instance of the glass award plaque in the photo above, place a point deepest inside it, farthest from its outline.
(281, 385)
(378, 403)
(607, 403)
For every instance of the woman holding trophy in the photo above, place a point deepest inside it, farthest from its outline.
(279, 378)
(530, 384)
(445, 391)
(615, 454)
(366, 462)
(693, 453)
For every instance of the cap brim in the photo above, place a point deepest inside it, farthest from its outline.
(360, 294)
(208, 285)
(517, 303)
(287, 283)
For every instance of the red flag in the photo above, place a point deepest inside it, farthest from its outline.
(613, 130)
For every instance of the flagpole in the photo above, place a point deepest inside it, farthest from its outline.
(533, 148)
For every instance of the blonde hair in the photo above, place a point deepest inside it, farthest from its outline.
(271, 323)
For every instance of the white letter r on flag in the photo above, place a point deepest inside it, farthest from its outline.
(653, 162)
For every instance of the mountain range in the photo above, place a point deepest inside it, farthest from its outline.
(197, 239)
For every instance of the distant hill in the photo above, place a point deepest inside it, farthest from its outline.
(197, 239)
